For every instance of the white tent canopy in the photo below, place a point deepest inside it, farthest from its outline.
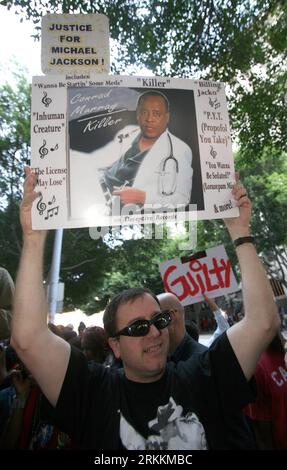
(75, 317)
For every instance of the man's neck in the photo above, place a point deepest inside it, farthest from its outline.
(145, 143)
(177, 340)
(144, 378)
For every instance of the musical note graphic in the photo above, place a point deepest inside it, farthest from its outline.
(55, 148)
(214, 103)
(43, 151)
(52, 200)
(45, 100)
(51, 212)
(213, 152)
(41, 206)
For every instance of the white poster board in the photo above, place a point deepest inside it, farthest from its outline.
(83, 127)
(208, 272)
(75, 44)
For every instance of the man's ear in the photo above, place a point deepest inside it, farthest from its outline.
(114, 344)
(172, 313)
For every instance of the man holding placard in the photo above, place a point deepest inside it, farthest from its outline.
(152, 404)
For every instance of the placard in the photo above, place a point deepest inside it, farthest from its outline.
(208, 272)
(75, 44)
(116, 150)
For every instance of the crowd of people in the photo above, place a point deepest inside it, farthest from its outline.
(142, 382)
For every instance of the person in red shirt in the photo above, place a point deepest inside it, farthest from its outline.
(269, 413)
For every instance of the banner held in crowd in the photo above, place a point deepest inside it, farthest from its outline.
(208, 272)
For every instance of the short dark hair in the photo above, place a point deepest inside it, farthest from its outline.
(94, 339)
(144, 95)
(128, 295)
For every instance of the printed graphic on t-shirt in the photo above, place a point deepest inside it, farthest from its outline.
(170, 430)
(279, 376)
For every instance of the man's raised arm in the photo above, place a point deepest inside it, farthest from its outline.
(44, 354)
(250, 337)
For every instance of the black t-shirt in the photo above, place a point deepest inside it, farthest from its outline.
(188, 408)
(237, 430)
(186, 349)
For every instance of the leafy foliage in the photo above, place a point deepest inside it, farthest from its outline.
(258, 112)
(266, 181)
(14, 153)
(181, 37)
(134, 263)
(14, 135)
(242, 43)
(237, 41)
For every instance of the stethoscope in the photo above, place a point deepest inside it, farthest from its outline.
(163, 173)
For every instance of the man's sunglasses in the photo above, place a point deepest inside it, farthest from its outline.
(141, 327)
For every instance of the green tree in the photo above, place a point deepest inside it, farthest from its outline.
(242, 43)
(180, 37)
(14, 153)
(258, 111)
(14, 134)
(266, 181)
(136, 262)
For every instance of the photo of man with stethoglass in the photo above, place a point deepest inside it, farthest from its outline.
(151, 158)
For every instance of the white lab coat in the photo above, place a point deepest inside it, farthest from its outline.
(150, 177)
(86, 168)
